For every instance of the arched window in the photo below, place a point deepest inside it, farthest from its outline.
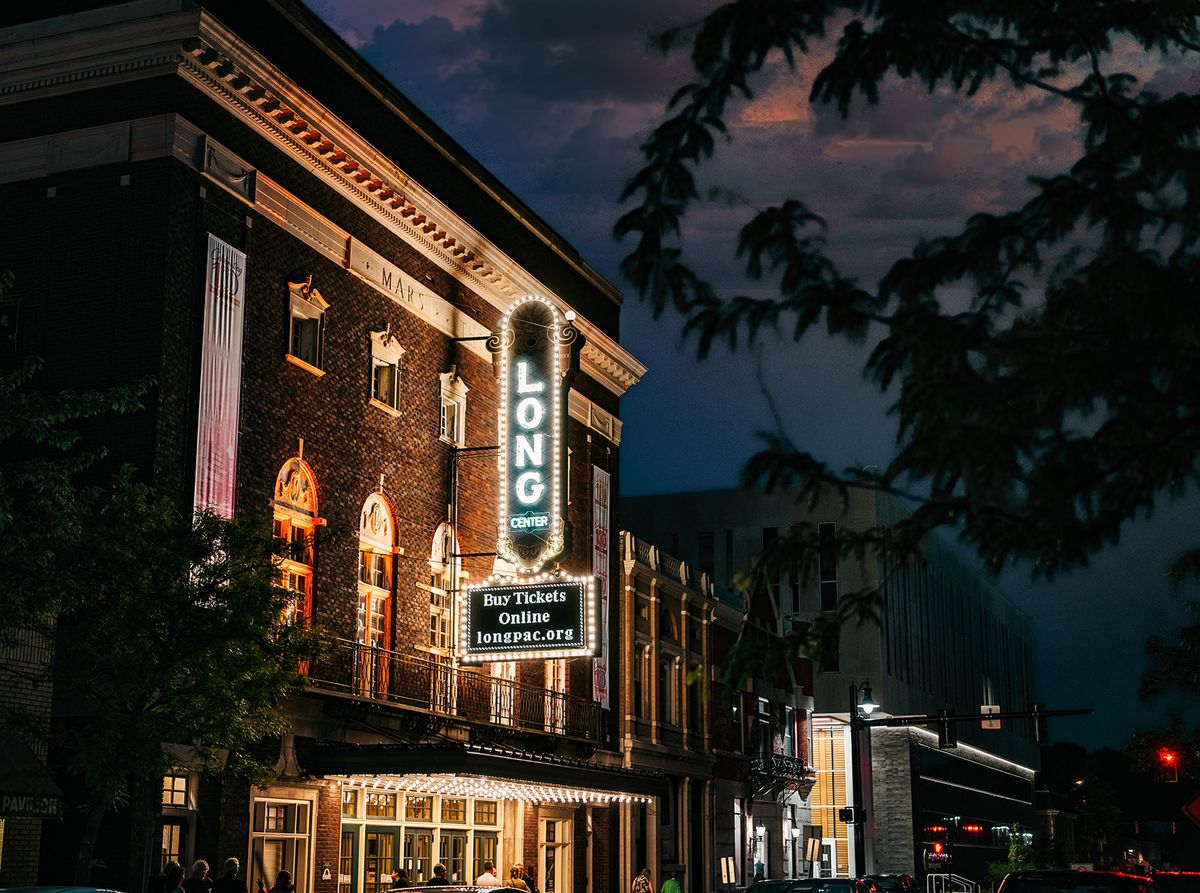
(376, 548)
(443, 584)
(444, 567)
(295, 519)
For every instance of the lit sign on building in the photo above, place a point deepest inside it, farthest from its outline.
(534, 344)
(540, 617)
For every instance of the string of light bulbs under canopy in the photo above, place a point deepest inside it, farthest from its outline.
(490, 788)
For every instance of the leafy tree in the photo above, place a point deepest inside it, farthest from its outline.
(1061, 401)
(177, 637)
(1020, 858)
(41, 461)
(41, 458)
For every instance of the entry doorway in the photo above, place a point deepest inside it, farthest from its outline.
(379, 859)
(418, 856)
(454, 855)
(555, 866)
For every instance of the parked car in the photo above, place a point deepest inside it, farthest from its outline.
(893, 883)
(814, 885)
(1076, 882)
(65, 888)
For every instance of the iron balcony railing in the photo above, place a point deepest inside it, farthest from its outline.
(445, 689)
(775, 774)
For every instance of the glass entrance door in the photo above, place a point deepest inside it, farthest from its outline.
(454, 855)
(379, 859)
(418, 855)
(554, 855)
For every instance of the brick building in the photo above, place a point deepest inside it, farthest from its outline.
(223, 196)
(736, 761)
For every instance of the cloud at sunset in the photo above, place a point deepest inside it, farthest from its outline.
(555, 99)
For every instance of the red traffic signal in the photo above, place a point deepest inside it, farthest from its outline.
(1168, 764)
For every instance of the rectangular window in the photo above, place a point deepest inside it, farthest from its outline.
(454, 810)
(280, 838)
(419, 809)
(452, 419)
(827, 555)
(485, 812)
(639, 660)
(306, 334)
(789, 731)
(174, 789)
(350, 803)
(386, 354)
(706, 560)
(381, 806)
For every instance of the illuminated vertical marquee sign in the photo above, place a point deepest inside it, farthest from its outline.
(535, 347)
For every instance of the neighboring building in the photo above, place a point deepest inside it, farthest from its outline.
(224, 196)
(948, 640)
(28, 795)
(736, 759)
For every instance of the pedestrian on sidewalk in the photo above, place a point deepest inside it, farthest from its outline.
(229, 882)
(198, 880)
(671, 884)
(641, 883)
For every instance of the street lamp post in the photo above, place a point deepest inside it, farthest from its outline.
(859, 710)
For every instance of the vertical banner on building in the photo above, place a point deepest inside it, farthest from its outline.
(220, 379)
(600, 565)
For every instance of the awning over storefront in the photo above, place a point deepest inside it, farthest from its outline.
(26, 788)
(487, 771)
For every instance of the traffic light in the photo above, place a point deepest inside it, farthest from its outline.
(1168, 765)
(947, 732)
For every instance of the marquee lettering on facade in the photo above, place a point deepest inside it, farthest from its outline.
(534, 343)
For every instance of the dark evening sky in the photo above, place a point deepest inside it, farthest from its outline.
(555, 98)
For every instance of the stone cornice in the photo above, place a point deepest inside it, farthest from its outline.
(212, 58)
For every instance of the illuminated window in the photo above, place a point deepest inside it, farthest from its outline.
(381, 806)
(452, 422)
(376, 547)
(386, 354)
(443, 583)
(175, 789)
(306, 337)
(295, 518)
(280, 838)
(350, 803)
(556, 696)
(485, 812)
(454, 810)
(418, 808)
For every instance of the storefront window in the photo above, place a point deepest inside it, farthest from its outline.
(485, 812)
(381, 806)
(350, 803)
(454, 810)
(485, 851)
(280, 837)
(418, 808)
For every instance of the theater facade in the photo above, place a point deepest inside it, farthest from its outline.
(354, 328)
